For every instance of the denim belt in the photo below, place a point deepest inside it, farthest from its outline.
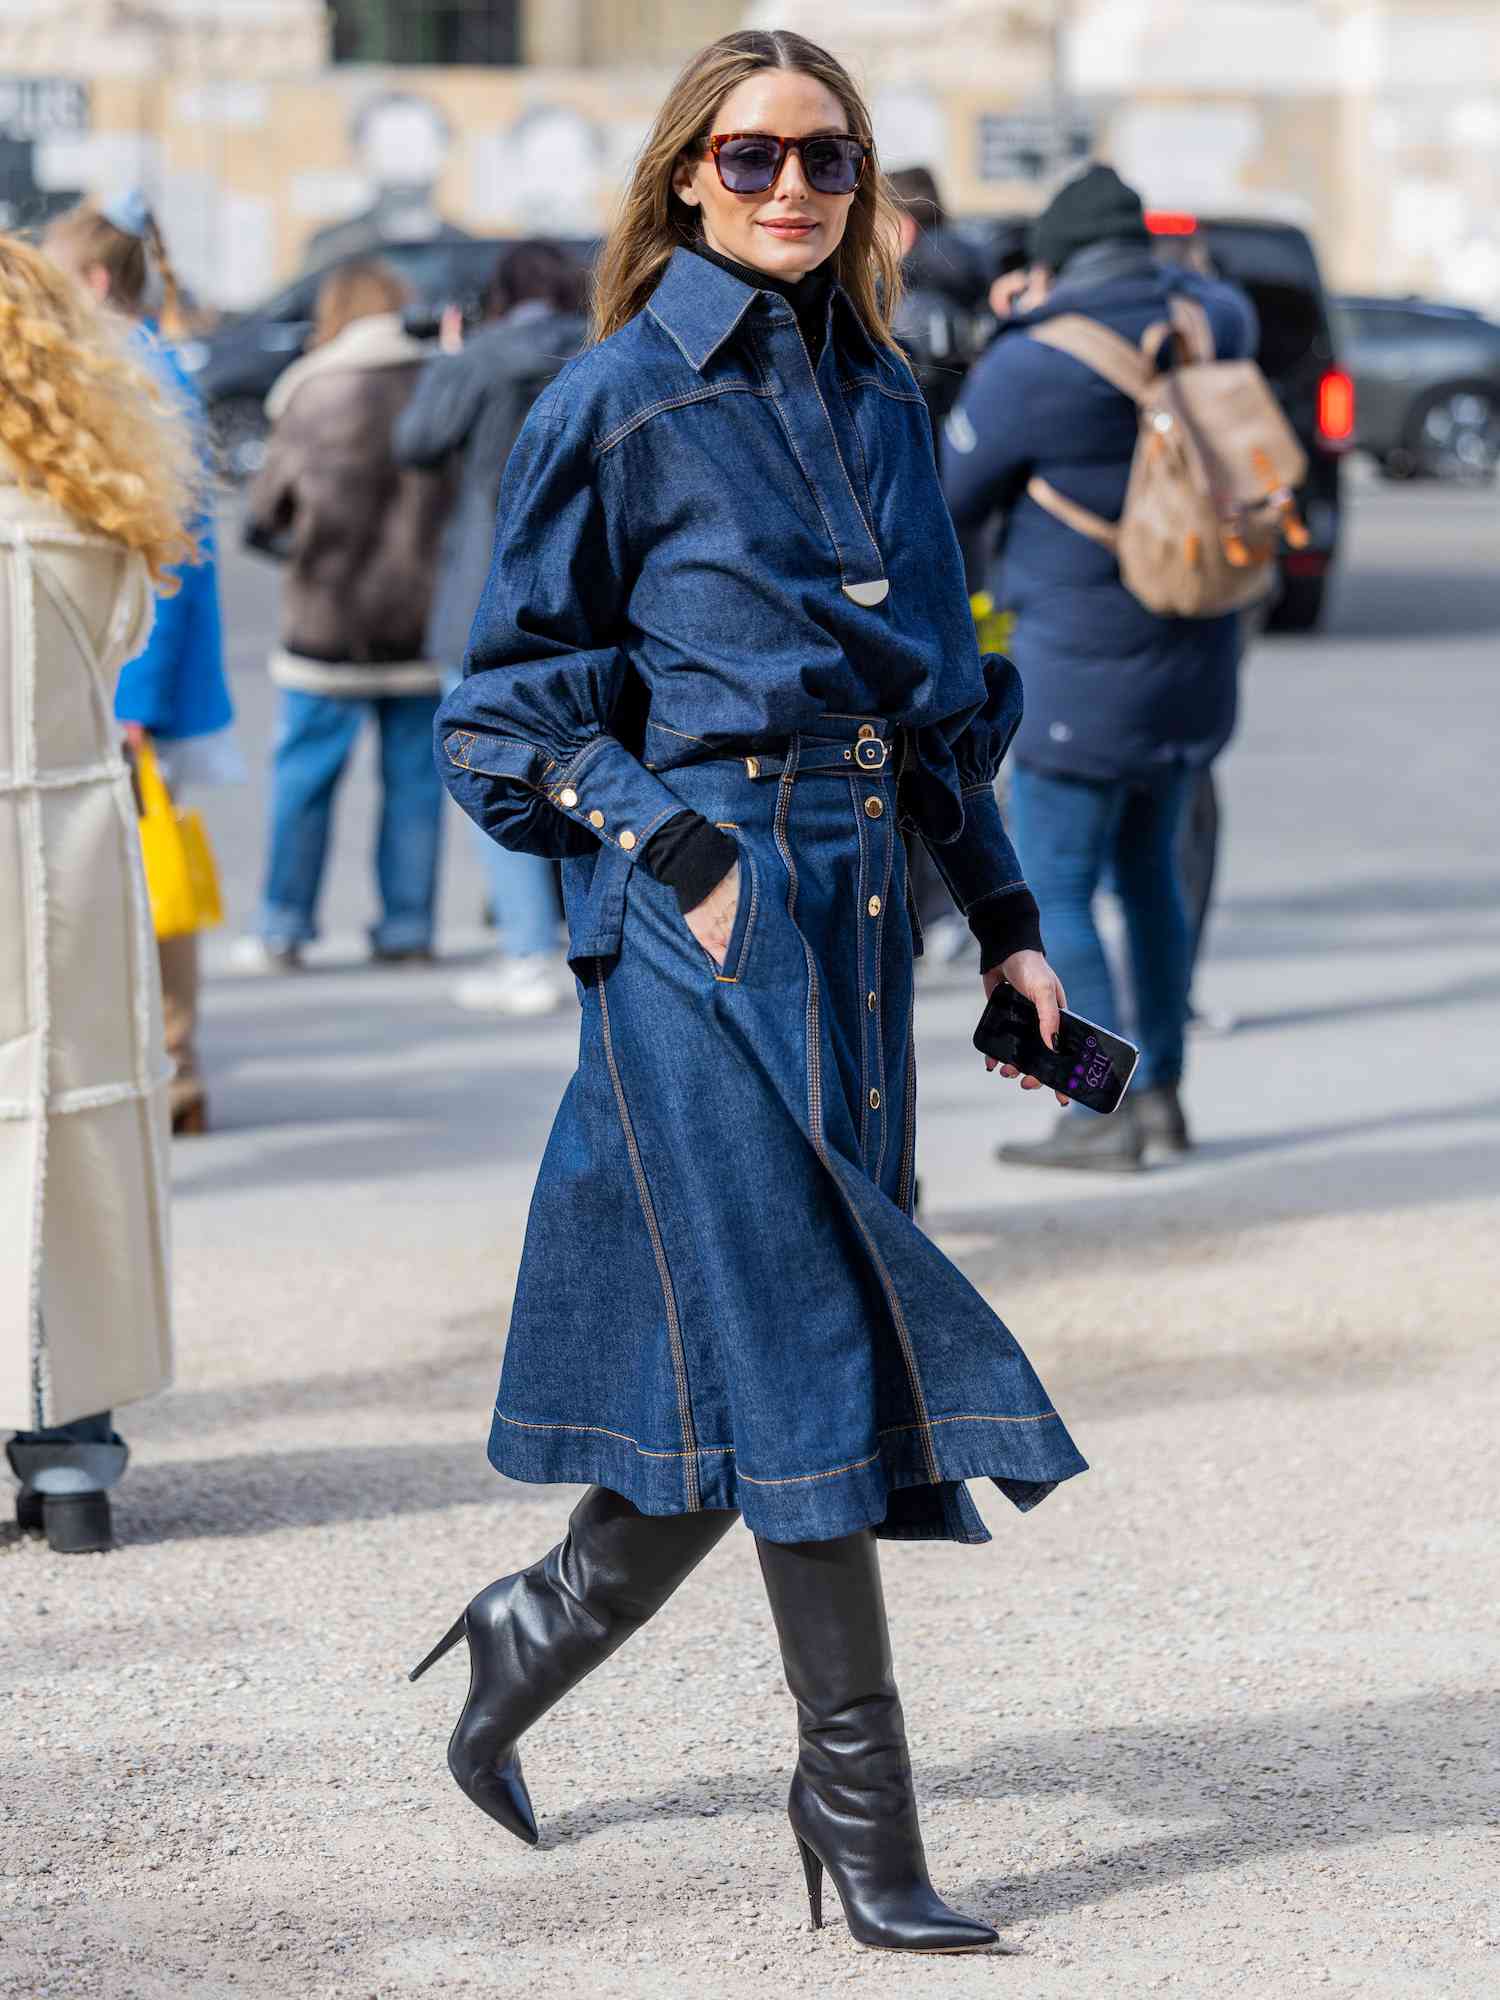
(872, 751)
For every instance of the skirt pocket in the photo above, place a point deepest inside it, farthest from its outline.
(747, 909)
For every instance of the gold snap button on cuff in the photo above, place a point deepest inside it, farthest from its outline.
(596, 818)
(874, 808)
(627, 840)
(567, 797)
(874, 1100)
(870, 1002)
(873, 906)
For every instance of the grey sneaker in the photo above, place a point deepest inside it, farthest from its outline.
(1083, 1142)
(1164, 1129)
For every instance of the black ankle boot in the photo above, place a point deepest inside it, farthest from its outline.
(535, 1635)
(852, 1805)
(1084, 1142)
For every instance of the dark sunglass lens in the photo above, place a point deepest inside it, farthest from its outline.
(833, 164)
(748, 166)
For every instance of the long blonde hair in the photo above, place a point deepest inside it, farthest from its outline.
(83, 238)
(652, 221)
(83, 422)
(356, 291)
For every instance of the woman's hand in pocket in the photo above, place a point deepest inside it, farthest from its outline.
(712, 921)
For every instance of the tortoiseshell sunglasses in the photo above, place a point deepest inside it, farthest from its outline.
(751, 162)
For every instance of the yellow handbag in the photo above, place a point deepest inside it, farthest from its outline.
(182, 877)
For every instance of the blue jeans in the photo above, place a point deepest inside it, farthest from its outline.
(522, 889)
(1070, 833)
(314, 739)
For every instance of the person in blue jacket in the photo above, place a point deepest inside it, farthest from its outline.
(1123, 708)
(175, 691)
(724, 656)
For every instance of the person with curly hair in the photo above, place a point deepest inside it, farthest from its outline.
(175, 691)
(97, 486)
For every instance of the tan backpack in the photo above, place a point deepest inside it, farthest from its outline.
(1210, 492)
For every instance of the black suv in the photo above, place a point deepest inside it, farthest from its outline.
(1428, 378)
(236, 364)
(1275, 263)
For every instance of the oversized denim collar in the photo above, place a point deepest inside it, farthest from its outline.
(700, 306)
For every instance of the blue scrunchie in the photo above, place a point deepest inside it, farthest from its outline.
(129, 212)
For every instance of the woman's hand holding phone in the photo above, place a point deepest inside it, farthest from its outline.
(1030, 974)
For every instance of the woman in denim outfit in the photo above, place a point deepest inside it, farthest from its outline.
(724, 657)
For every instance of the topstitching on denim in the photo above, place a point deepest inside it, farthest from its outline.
(669, 1290)
(886, 388)
(707, 394)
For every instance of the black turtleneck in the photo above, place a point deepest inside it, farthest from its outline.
(807, 296)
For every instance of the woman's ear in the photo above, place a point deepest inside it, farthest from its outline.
(682, 182)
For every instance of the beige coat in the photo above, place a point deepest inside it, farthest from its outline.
(84, 1304)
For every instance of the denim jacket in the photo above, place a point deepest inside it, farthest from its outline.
(704, 545)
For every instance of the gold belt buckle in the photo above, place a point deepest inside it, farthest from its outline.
(872, 753)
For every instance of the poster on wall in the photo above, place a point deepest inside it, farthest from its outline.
(33, 111)
(1030, 145)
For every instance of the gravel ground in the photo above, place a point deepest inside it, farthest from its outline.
(1221, 1716)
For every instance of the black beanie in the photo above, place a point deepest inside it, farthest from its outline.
(1096, 208)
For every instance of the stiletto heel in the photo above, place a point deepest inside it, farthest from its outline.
(812, 1869)
(448, 1641)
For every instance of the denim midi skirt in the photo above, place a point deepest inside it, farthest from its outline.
(724, 1301)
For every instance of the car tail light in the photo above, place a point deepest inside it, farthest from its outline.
(1170, 222)
(1336, 411)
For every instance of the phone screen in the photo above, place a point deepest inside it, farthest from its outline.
(1089, 1065)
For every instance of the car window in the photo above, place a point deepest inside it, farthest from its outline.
(296, 302)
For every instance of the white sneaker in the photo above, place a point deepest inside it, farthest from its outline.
(253, 954)
(1212, 1022)
(516, 986)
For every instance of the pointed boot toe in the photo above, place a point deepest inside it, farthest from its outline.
(891, 1914)
(501, 1792)
(961, 1934)
(945, 1930)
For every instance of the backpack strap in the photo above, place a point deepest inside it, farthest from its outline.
(1128, 368)
(1111, 355)
(1189, 327)
(1105, 533)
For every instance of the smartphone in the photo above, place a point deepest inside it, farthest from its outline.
(1089, 1064)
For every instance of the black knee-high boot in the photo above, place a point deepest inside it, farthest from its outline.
(535, 1635)
(852, 1806)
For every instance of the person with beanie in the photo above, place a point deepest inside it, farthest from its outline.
(1124, 708)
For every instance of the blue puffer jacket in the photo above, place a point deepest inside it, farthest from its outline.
(1112, 690)
(176, 687)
